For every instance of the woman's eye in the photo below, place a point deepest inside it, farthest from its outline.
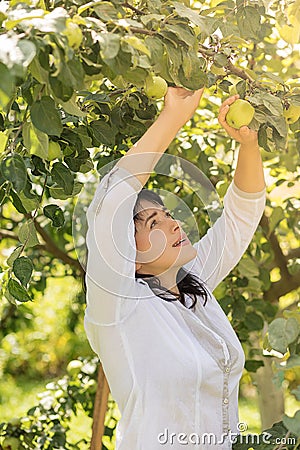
(154, 222)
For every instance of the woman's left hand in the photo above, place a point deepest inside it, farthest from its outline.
(244, 135)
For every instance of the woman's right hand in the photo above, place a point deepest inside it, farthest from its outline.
(182, 103)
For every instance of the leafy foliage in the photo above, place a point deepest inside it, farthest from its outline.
(72, 99)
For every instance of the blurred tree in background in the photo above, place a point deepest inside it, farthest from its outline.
(73, 97)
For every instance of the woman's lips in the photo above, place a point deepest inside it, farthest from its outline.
(183, 243)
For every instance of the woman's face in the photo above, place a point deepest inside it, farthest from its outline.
(156, 236)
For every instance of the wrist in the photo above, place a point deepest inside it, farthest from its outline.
(249, 146)
(172, 117)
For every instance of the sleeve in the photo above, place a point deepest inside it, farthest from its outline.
(226, 241)
(110, 271)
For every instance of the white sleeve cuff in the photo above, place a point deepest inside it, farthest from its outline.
(249, 195)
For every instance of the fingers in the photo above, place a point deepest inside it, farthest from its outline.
(229, 101)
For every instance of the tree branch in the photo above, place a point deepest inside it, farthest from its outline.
(293, 253)
(238, 72)
(279, 257)
(133, 8)
(6, 315)
(55, 250)
(282, 287)
(138, 30)
(8, 235)
(287, 282)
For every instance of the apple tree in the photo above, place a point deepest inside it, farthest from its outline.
(80, 82)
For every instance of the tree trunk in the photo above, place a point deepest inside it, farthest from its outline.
(270, 397)
(100, 408)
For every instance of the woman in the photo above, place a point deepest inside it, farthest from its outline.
(174, 371)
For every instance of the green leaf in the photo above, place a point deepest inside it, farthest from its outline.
(272, 103)
(183, 33)
(38, 72)
(17, 291)
(109, 45)
(14, 170)
(276, 217)
(56, 214)
(254, 322)
(63, 177)
(252, 365)
(3, 140)
(72, 74)
(102, 132)
(136, 43)
(59, 193)
(22, 268)
(27, 234)
(190, 72)
(35, 141)
(293, 361)
(293, 423)
(6, 85)
(156, 48)
(16, 201)
(45, 116)
(282, 333)
(296, 393)
(60, 90)
(15, 254)
(30, 204)
(105, 11)
(248, 268)
(239, 308)
(71, 107)
(248, 20)
(195, 18)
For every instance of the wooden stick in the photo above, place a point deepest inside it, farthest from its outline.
(100, 408)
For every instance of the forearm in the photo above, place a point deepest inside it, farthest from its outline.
(143, 156)
(249, 174)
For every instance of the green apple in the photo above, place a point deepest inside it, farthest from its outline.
(54, 150)
(155, 87)
(10, 443)
(240, 113)
(74, 367)
(292, 114)
(73, 33)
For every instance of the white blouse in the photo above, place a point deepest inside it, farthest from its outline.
(174, 372)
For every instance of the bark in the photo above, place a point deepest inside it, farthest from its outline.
(100, 408)
(270, 398)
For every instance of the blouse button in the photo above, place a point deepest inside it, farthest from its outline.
(227, 369)
(225, 401)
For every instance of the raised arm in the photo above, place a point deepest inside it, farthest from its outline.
(249, 175)
(226, 241)
(179, 106)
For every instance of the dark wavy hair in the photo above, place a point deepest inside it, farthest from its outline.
(187, 283)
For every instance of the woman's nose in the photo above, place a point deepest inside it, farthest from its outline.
(176, 224)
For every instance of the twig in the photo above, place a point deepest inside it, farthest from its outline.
(137, 11)
(142, 31)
